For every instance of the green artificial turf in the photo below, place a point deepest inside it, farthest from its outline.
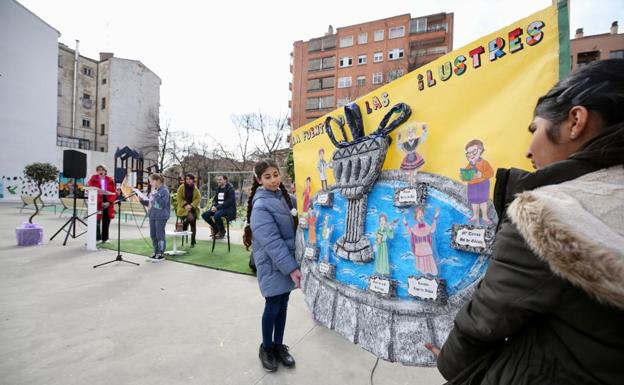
(237, 260)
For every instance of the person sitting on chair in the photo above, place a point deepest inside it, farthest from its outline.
(188, 205)
(223, 205)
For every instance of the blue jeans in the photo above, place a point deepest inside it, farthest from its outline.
(274, 320)
(215, 220)
(157, 233)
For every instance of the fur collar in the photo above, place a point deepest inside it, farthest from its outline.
(577, 227)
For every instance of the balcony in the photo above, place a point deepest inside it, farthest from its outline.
(322, 44)
(71, 142)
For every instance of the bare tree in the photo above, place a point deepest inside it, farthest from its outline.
(272, 132)
(165, 134)
(149, 145)
(238, 157)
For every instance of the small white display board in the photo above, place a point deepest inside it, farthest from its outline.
(311, 252)
(407, 196)
(379, 285)
(423, 288)
(471, 237)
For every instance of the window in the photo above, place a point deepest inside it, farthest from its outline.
(314, 65)
(102, 129)
(328, 42)
(379, 35)
(396, 32)
(103, 80)
(60, 61)
(438, 27)
(378, 57)
(343, 102)
(584, 58)
(65, 141)
(322, 102)
(378, 78)
(86, 101)
(346, 61)
(419, 25)
(436, 50)
(344, 82)
(395, 74)
(59, 89)
(86, 122)
(346, 41)
(328, 62)
(322, 63)
(103, 104)
(395, 54)
(616, 54)
(363, 38)
(361, 81)
(87, 71)
(321, 83)
(361, 59)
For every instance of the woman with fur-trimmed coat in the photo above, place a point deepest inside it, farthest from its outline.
(550, 309)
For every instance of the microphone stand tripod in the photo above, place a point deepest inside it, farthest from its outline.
(119, 258)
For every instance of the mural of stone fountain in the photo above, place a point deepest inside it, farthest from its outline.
(357, 165)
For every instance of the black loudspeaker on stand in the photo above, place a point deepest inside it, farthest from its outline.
(119, 258)
(74, 166)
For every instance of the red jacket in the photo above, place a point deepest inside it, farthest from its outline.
(110, 187)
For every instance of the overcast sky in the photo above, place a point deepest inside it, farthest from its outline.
(218, 58)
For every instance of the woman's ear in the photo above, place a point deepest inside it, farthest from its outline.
(577, 122)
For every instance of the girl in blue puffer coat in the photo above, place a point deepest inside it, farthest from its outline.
(272, 219)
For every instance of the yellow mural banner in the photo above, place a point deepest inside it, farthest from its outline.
(476, 101)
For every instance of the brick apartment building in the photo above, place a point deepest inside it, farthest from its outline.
(586, 49)
(332, 70)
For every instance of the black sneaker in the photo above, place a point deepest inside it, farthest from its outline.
(159, 257)
(268, 359)
(151, 259)
(281, 352)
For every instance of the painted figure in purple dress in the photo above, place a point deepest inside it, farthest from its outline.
(412, 160)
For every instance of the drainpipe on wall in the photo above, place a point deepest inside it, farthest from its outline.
(97, 87)
(75, 90)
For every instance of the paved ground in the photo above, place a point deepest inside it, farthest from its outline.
(63, 322)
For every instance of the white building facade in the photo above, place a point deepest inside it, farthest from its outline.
(116, 104)
(28, 97)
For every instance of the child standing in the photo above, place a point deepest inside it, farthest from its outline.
(272, 219)
(159, 210)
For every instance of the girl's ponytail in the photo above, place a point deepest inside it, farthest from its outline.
(288, 200)
(247, 236)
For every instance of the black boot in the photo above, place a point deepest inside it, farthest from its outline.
(193, 240)
(281, 351)
(268, 359)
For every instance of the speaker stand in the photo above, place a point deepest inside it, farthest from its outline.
(70, 225)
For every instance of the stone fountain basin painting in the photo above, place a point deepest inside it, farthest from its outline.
(395, 327)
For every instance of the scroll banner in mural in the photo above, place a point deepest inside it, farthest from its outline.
(395, 189)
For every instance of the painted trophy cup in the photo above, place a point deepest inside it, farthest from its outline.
(357, 165)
